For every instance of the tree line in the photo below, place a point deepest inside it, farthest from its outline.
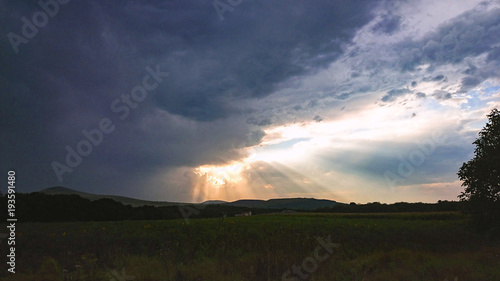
(40, 207)
(400, 207)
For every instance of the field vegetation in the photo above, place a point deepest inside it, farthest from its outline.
(372, 246)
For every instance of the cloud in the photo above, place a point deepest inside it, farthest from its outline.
(267, 186)
(436, 78)
(470, 82)
(268, 65)
(421, 95)
(318, 118)
(64, 80)
(470, 34)
(441, 95)
(260, 123)
(388, 24)
(394, 93)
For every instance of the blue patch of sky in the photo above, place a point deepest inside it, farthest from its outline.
(280, 146)
(478, 99)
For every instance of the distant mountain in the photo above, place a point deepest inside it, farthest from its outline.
(122, 199)
(214, 202)
(285, 203)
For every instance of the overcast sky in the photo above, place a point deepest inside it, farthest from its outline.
(196, 100)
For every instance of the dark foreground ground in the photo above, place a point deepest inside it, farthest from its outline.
(407, 246)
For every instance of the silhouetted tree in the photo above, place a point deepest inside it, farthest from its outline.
(481, 176)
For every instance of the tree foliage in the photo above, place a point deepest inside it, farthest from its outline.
(481, 175)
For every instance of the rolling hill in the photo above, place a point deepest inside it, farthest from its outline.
(281, 203)
(122, 199)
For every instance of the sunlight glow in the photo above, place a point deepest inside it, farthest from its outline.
(322, 158)
(219, 176)
(297, 146)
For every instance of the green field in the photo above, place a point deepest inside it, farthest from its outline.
(409, 246)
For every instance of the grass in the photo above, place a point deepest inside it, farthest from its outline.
(408, 246)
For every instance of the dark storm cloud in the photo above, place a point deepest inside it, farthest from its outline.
(494, 55)
(388, 24)
(245, 56)
(65, 78)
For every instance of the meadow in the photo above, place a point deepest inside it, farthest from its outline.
(401, 246)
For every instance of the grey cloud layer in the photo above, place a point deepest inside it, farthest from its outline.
(397, 66)
(228, 81)
(92, 52)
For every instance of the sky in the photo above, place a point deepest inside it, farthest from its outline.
(187, 101)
